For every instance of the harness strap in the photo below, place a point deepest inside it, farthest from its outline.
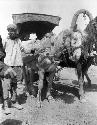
(74, 48)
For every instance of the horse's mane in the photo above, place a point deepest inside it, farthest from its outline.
(91, 28)
(91, 31)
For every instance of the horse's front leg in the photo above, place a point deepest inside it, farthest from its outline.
(88, 79)
(31, 82)
(81, 81)
(87, 64)
(50, 81)
(40, 85)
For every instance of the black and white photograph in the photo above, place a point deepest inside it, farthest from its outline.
(48, 62)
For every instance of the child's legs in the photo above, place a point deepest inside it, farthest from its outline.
(6, 87)
(19, 73)
(13, 91)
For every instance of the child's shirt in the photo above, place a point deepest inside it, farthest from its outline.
(13, 52)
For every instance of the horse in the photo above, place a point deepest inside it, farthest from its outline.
(71, 48)
(46, 67)
(85, 62)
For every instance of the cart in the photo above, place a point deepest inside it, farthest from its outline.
(35, 23)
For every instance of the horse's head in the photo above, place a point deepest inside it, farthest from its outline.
(72, 41)
(69, 41)
(71, 38)
(76, 39)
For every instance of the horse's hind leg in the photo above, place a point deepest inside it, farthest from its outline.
(86, 67)
(50, 80)
(40, 86)
(39, 99)
(81, 89)
(81, 81)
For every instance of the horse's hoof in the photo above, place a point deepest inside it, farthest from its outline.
(32, 96)
(50, 98)
(39, 105)
(83, 100)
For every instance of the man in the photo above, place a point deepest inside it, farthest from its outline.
(6, 74)
(13, 58)
(29, 63)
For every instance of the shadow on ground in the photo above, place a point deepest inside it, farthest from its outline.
(66, 97)
(92, 88)
(65, 92)
(11, 122)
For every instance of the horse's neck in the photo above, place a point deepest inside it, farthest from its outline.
(56, 49)
(46, 42)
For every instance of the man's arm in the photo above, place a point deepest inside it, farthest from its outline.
(21, 46)
(4, 42)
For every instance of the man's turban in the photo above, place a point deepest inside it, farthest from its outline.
(12, 27)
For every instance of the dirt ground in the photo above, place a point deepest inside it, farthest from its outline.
(65, 109)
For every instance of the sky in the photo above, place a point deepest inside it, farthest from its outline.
(63, 8)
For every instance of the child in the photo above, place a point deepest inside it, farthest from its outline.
(13, 58)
